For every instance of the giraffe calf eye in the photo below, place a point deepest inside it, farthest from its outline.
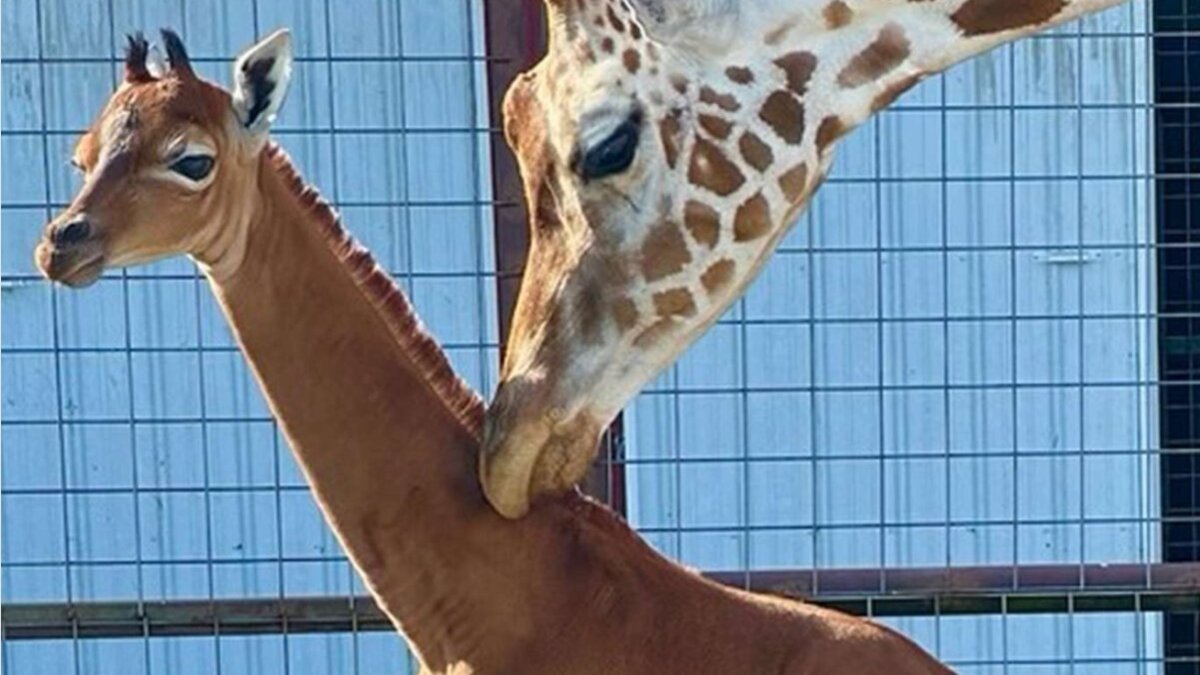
(614, 154)
(193, 167)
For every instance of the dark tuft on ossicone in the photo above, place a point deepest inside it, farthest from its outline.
(136, 51)
(176, 53)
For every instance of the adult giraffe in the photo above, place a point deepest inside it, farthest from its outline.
(385, 433)
(666, 148)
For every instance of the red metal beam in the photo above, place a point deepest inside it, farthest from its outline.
(515, 40)
(944, 580)
(1038, 589)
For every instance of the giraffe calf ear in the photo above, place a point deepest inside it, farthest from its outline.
(260, 81)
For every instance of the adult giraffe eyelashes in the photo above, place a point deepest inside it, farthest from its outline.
(612, 155)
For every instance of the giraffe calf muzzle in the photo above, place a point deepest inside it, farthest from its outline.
(71, 232)
(70, 253)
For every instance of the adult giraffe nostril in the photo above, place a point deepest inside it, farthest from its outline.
(71, 232)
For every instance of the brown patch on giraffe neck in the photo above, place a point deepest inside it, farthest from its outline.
(674, 302)
(792, 182)
(739, 74)
(632, 60)
(717, 127)
(776, 35)
(725, 102)
(711, 169)
(678, 82)
(615, 21)
(799, 67)
(837, 14)
(607, 45)
(703, 222)
(831, 129)
(889, 49)
(664, 252)
(756, 153)
(785, 115)
(624, 313)
(981, 17)
(888, 96)
(753, 219)
(718, 276)
(669, 131)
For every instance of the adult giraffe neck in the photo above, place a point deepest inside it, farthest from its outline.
(384, 433)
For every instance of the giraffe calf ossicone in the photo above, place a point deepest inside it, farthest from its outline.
(666, 146)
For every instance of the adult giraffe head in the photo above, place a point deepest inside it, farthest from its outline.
(168, 166)
(666, 146)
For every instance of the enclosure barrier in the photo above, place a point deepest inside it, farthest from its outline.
(1041, 589)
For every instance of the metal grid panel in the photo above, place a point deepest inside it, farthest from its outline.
(776, 392)
(1179, 135)
(960, 334)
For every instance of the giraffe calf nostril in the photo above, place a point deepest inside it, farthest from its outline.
(72, 232)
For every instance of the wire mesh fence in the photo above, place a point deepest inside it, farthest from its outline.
(960, 398)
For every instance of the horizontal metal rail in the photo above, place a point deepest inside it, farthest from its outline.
(1045, 589)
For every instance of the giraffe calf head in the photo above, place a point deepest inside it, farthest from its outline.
(167, 163)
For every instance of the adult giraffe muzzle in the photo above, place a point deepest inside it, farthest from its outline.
(666, 147)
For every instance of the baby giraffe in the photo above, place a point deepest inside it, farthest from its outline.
(666, 147)
(386, 434)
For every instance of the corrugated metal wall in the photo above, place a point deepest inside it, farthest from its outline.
(950, 361)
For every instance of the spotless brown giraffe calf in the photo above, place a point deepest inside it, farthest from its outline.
(667, 146)
(386, 434)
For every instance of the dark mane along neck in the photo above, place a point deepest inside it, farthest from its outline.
(394, 307)
(616, 539)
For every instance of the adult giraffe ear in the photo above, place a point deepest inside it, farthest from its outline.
(260, 82)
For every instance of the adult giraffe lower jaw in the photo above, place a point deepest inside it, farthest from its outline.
(385, 433)
(666, 147)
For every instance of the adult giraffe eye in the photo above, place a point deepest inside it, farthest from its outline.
(615, 153)
(193, 167)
